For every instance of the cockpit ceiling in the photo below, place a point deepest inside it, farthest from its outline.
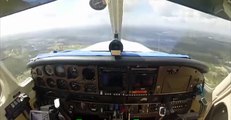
(220, 8)
(8, 7)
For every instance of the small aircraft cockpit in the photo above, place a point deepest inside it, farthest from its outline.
(92, 71)
(134, 85)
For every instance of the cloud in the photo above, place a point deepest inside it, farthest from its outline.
(77, 13)
(59, 14)
(129, 5)
(178, 16)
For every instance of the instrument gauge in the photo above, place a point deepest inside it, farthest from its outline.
(49, 70)
(72, 72)
(62, 84)
(98, 4)
(51, 83)
(88, 73)
(74, 85)
(60, 70)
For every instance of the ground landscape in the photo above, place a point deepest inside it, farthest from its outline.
(212, 49)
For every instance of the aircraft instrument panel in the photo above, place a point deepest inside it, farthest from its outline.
(102, 87)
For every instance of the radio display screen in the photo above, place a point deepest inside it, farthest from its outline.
(142, 80)
(112, 79)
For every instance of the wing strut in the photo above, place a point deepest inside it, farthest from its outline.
(115, 8)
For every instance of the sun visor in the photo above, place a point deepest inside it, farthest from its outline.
(220, 8)
(8, 7)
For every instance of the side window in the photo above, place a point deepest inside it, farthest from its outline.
(218, 112)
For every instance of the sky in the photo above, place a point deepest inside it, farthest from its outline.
(77, 13)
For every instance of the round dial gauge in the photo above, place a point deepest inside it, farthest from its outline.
(72, 72)
(62, 84)
(98, 4)
(51, 82)
(74, 85)
(60, 71)
(49, 70)
(88, 73)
